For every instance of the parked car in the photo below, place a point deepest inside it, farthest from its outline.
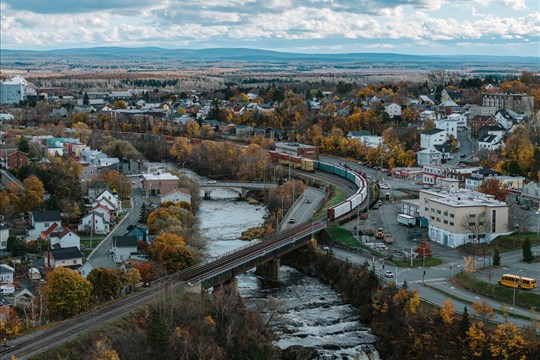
(211, 182)
(462, 156)
(292, 221)
(389, 274)
(325, 247)
(375, 207)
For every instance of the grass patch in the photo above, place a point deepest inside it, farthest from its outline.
(432, 261)
(96, 240)
(501, 293)
(514, 241)
(344, 236)
(336, 199)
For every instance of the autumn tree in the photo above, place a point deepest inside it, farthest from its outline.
(120, 104)
(170, 251)
(67, 293)
(32, 194)
(494, 187)
(423, 250)
(116, 182)
(106, 283)
(10, 324)
(121, 149)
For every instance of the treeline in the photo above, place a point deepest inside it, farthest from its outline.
(410, 329)
(186, 326)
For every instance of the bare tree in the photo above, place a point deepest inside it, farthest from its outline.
(478, 226)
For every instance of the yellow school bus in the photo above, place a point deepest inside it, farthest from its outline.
(514, 281)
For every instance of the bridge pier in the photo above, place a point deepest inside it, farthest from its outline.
(269, 270)
(207, 195)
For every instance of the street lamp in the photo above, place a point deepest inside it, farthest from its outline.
(538, 225)
(514, 295)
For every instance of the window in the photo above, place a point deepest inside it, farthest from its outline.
(426, 209)
(445, 213)
(47, 225)
(438, 219)
(445, 221)
(74, 261)
(472, 216)
(451, 216)
(438, 211)
(451, 223)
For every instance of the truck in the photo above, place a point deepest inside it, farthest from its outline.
(388, 239)
(405, 219)
(380, 233)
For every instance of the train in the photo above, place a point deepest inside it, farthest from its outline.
(309, 165)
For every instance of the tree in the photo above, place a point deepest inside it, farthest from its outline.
(86, 99)
(106, 283)
(494, 187)
(423, 250)
(527, 252)
(170, 250)
(157, 334)
(496, 258)
(32, 196)
(121, 149)
(23, 145)
(9, 321)
(104, 351)
(120, 104)
(67, 293)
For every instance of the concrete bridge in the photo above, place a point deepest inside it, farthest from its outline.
(242, 188)
(264, 256)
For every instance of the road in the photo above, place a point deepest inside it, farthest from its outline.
(100, 256)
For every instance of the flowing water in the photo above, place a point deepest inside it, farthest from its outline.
(303, 311)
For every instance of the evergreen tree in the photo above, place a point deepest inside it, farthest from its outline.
(496, 258)
(465, 323)
(527, 252)
(86, 99)
(157, 334)
(23, 145)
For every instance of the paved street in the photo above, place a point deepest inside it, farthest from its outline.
(100, 256)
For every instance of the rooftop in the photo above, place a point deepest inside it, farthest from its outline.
(159, 176)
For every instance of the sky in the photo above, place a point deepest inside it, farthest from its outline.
(422, 27)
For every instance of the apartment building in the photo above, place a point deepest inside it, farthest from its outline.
(461, 216)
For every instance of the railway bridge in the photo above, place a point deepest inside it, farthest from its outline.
(264, 256)
(242, 188)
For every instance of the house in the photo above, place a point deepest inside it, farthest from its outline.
(112, 199)
(4, 235)
(176, 195)
(93, 156)
(393, 110)
(23, 298)
(61, 237)
(448, 125)
(460, 120)
(474, 181)
(489, 142)
(462, 216)
(479, 121)
(125, 247)
(430, 138)
(71, 257)
(106, 162)
(531, 195)
(504, 119)
(433, 174)
(427, 115)
(140, 232)
(357, 134)
(6, 274)
(13, 159)
(429, 156)
(449, 107)
(154, 184)
(95, 189)
(491, 130)
(85, 269)
(104, 210)
(88, 172)
(41, 221)
(101, 226)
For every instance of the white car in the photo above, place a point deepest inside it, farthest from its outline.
(389, 274)
(385, 186)
(211, 182)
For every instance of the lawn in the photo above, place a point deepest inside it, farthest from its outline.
(514, 241)
(431, 261)
(501, 293)
(344, 236)
(96, 239)
(336, 199)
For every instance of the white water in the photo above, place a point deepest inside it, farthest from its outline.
(305, 311)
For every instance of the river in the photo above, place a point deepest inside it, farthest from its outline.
(305, 311)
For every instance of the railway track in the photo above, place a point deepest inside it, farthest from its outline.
(38, 341)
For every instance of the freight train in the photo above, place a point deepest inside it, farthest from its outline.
(344, 207)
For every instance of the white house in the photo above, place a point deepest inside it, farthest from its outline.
(427, 115)
(123, 247)
(476, 178)
(429, 156)
(85, 269)
(531, 195)
(449, 125)
(100, 225)
(432, 137)
(393, 110)
(371, 140)
(4, 235)
(460, 119)
(105, 211)
(489, 142)
(104, 162)
(61, 237)
(113, 198)
(41, 221)
(6, 274)
(67, 257)
(504, 120)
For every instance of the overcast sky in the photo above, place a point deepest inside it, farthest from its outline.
(495, 27)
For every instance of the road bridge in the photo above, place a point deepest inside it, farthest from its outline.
(242, 188)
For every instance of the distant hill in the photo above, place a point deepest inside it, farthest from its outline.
(244, 54)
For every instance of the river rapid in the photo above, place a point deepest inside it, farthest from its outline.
(304, 311)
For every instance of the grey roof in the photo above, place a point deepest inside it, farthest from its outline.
(125, 241)
(488, 138)
(360, 133)
(43, 216)
(97, 185)
(432, 131)
(72, 252)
